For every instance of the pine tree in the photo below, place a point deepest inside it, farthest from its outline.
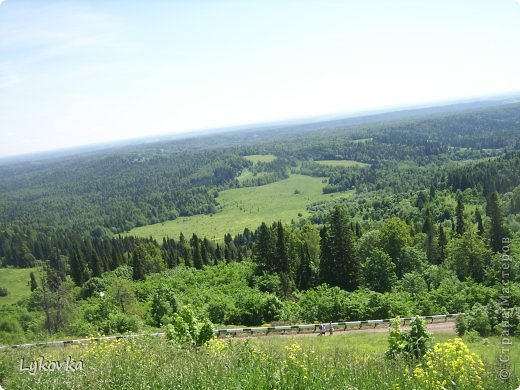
(204, 252)
(443, 241)
(195, 246)
(496, 230)
(429, 231)
(57, 264)
(96, 265)
(460, 217)
(264, 248)
(359, 232)
(304, 274)
(341, 268)
(78, 268)
(137, 266)
(282, 257)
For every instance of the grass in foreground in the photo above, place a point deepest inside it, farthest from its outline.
(16, 280)
(345, 361)
(247, 207)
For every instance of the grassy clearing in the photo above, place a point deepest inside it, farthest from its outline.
(341, 361)
(342, 163)
(256, 158)
(247, 207)
(247, 174)
(361, 140)
(17, 283)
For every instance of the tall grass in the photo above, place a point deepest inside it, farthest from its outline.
(291, 363)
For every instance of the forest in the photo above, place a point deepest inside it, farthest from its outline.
(431, 225)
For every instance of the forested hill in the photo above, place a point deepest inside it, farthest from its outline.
(398, 217)
(113, 192)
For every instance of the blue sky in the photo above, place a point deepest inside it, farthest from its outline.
(83, 72)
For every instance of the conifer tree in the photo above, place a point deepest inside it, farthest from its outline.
(443, 241)
(264, 248)
(460, 217)
(195, 247)
(339, 265)
(138, 272)
(78, 268)
(428, 229)
(496, 230)
(97, 269)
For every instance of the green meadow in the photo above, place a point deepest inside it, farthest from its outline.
(256, 158)
(342, 163)
(247, 207)
(17, 283)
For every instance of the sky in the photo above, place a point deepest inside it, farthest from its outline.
(77, 73)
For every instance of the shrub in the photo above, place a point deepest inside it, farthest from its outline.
(164, 303)
(410, 345)
(477, 319)
(187, 331)
(92, 287)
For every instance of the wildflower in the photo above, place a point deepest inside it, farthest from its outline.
(450, 362)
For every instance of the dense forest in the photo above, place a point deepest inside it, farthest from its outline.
(434, 214)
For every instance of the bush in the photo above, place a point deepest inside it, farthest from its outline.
(410, 345)
(219, 310)
(164, 303)
(122, 323)
(93, 286)
(255, 309)
(477, 319)
(187, 331)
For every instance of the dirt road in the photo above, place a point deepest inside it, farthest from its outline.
(436, 327)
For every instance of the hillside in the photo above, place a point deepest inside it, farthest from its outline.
(366, 221)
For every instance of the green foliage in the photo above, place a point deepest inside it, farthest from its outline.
(413, 283)
(489, 319)
(409, 345)
(393, 238)
(378, 272)
(339, 265)
(164, 304)
(93, 286)
(187, 331)
(11, 331)
(122, 293)
(397, 224)
(468, 255)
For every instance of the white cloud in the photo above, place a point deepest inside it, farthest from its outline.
(1, 1)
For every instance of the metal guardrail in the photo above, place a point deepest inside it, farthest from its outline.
(234, 331)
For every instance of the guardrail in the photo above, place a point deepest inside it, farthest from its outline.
(235, 331)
